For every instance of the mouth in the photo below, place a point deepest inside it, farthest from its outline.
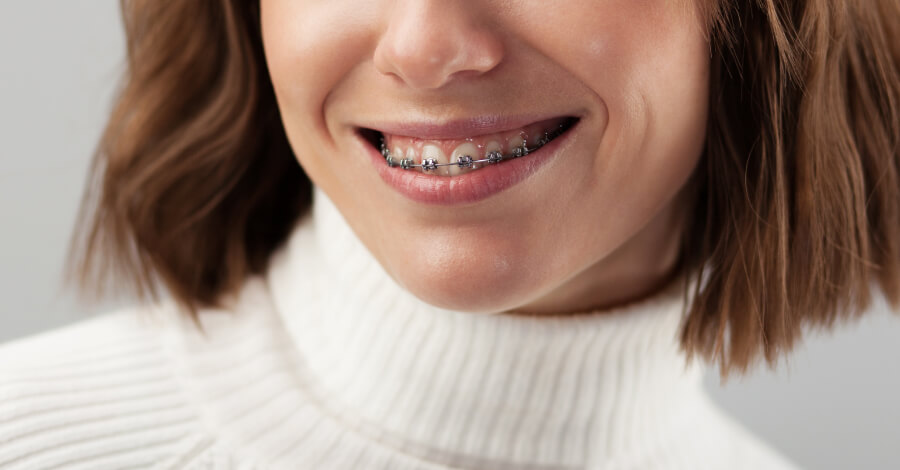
(460, 155)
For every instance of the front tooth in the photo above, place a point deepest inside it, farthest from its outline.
(466, 149)
(492, 146)
(435, 152)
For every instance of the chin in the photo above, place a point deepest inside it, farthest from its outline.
(474, 282)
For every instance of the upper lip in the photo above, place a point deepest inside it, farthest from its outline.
(437, 129)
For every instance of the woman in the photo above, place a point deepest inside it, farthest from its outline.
(481, 235)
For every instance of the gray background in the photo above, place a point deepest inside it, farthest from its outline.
(834, 406)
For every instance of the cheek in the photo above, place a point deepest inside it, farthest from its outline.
(647, 62)
(309, 47)
(672, 80)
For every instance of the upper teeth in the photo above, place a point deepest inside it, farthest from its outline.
(464, 156)
(462, 161)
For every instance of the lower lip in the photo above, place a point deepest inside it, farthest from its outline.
(469, 187)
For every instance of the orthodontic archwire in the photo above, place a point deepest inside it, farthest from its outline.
(466, 161)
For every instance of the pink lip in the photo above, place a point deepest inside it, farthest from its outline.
(466, 188)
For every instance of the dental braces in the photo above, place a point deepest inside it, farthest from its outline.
(466, 161)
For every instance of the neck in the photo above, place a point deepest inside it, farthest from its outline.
(477, 390)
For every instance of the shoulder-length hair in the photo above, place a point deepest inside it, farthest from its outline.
(797, 194)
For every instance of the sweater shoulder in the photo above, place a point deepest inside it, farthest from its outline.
(136, 336)
(128, 338)
(94, 394)
(90, 333)
(109, 391)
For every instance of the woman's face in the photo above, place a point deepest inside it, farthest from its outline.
(597, 219)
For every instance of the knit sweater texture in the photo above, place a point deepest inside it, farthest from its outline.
(325, 362)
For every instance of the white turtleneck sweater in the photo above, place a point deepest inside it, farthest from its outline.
(326, 363)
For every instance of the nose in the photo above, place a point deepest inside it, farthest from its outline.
(428, 43)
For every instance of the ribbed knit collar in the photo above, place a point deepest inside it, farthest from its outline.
(477, 390)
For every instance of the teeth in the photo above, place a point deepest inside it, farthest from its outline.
(491, 147)
(543, 139)
(431, 159)
(396, 155)
(467, 149)
(434, 154)
(516, 146)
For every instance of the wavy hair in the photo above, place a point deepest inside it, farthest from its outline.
(797, 199)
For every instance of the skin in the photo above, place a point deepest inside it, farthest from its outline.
(597, 227)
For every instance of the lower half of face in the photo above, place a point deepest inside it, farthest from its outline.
(596, 111)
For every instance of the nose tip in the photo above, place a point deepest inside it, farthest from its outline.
(428, 46)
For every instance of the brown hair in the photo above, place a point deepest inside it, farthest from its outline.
(797, 206)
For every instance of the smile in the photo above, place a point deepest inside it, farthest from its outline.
(429, 176)
(453, 157)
